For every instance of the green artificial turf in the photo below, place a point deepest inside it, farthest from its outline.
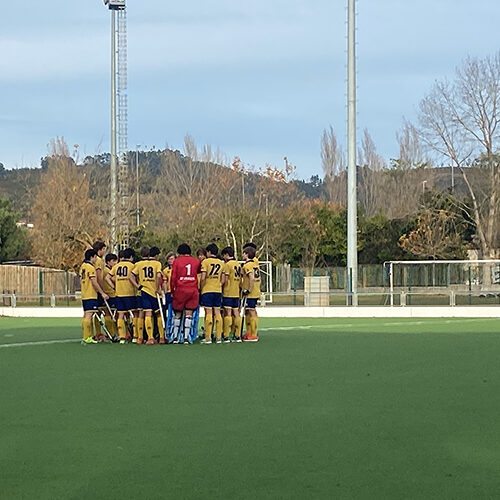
(321, 408)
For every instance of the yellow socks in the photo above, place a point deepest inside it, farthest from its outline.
(122, 330)
(248, 320)
(110, 324)
(136, 327)
(86, 328)
(237, 326)
(228, 321)
(253, 325)
(148, 323)
(161, 330)
(97, 327)
(140, 328)
(209, 323)
(218, 326)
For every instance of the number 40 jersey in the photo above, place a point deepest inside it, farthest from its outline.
(121, 272)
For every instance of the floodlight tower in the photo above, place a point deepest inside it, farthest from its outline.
(352, 211)
(119, 124)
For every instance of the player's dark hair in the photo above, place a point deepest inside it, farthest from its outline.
(201, 251)
(154, 251)
(110, 257)
(250, 245)
(250, 251)
(90, 253)
(184, 249)
(98, 245)
(227, 251)
(145, 252)
(212, 248)
(128, 253)
(121, 254)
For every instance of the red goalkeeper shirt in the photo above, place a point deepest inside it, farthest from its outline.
(185, 270)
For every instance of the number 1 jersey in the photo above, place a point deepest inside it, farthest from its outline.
(185, 270)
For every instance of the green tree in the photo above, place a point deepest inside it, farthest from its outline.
(379, 237)
(13, 242)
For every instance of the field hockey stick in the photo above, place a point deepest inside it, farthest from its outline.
(161, 311)
(100, 319)
(112, 314)
(242, 314)
(130, 323)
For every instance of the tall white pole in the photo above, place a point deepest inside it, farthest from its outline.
(113, 169)
(352, 225)
(137, 210)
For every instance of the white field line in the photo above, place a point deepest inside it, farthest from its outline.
(281, 328)
(39, 342)
(363, 325)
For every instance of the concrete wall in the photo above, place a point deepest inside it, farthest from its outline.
(299, 312)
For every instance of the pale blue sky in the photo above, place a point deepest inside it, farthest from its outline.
(258, 79)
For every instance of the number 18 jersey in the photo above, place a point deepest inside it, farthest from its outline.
(147, 273)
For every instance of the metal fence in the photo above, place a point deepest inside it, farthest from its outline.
(382, 298)
(407, 275)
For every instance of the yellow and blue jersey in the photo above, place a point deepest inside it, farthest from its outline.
(167, 273)
(147, 273)
(100, 265)
(213, 269)
(106, 288)
(121, 272)
(87, 274)
(252, 267)
(232, 269)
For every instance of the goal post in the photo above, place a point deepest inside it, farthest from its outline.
(468, 275)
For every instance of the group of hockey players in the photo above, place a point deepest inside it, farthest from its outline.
(128, 299)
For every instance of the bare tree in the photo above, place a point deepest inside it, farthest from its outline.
(333, 161)
(411, 150)
(459, 121)
(371, 188)
(65, 218)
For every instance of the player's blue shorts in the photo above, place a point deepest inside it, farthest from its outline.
(251, 303)
(168, 298)
(112, 302)
(89, 304)
(124, 304)
(211, 299)
(148, 302)
(233, 302)
(100, 300)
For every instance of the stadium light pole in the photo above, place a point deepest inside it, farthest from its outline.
(352, 211)
(113, 165)
(138, 219)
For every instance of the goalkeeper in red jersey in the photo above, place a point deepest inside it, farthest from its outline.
(185, 291)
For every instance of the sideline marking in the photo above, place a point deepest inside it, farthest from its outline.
(40, 342)
(428, 321)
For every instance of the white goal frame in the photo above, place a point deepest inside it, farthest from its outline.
(391, 264)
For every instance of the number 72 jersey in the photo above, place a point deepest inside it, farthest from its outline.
(213, 269)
